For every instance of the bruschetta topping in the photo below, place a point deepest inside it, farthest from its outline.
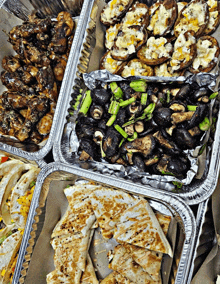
(136, 68)
(193, 17)
(135, 16)
(159, 20)
(163, 70)
(182, 51)
(157, 48)
(110, 36)
(113, 9)
(205, 54)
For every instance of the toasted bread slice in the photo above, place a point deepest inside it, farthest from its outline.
(207, 55)
(163, 17)
(214, 16)
(110, 64)
(136, 68)
(193, 17)
(184, 51)
(156, 51)
(128, 42)
(114, 11)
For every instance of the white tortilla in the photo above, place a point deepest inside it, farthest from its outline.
(57, 276)
(20, 189)
(139, 226)
(124, 264)
(6, 185)
(8, 250)
(108, 205)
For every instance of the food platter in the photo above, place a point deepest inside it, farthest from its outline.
(50, 176)
(29, 149)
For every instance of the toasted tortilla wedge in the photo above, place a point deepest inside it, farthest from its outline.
(108, 205)
(8, 251)
(114, 278)
(124, 264)
(89, 276)
(139, 226)
(57, 276)
(20, 189)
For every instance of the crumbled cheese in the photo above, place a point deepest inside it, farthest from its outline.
(134, 17)
(194, 17)
(182, 51)
(162, 70)
(158, 22)
(113, 9)
(134, 69)
(205, 54)
(157, 48)
(111, 34)
(111, 64)
(180, 6)
(213, 4)
(212, 19)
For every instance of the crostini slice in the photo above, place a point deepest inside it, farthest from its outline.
(110, 64)
(136, 68)
(214, 16)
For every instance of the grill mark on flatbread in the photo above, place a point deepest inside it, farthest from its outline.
(139, 226)
(124, 264)
(108, 205)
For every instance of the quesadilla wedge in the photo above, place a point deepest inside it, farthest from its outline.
(89, 276)
(124, 264)
(8, 250)
(21, 197)
(108, 205)
(57, 276)
(115, 278)
(139, 226)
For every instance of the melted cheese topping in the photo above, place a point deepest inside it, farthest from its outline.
(111, 64)
(135, 68)
(213, 4)
(135, 17)
(110, 36)
(159, 21)
(113, 9)
(212, 19)
(163, 71)
(127, 42)
(157, 48)
(180, 6)
(182, 50)
(205, 54)
(193, 18)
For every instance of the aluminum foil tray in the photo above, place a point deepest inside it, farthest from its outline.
(39, 163)
(32, 267)
(11, 14)
(194, 193)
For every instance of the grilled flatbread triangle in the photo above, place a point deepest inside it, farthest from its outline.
(108, 205)
(115, 278)
(57, 276)
(150, 260)
(89, 276)
(124, 264)
(139, 226)
(8, 251)
(20, 189)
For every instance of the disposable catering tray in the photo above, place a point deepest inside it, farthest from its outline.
(49, 204)
(39, 163)
(65, 145)
(13, 13)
